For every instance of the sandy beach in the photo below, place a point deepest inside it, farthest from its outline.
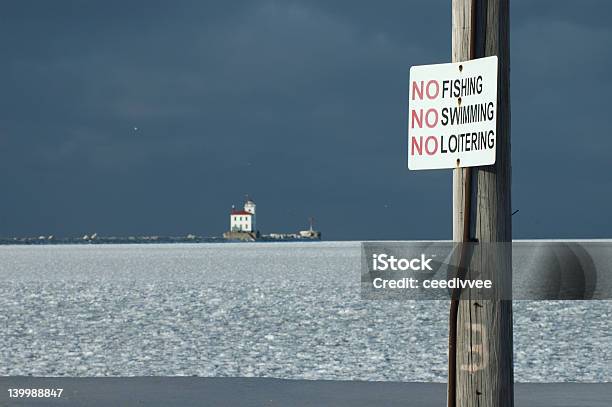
(196, 391)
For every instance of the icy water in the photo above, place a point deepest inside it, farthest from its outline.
(285, 310)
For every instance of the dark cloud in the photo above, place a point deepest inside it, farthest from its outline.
(301, 104)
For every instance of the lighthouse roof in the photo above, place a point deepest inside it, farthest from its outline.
(239, 212)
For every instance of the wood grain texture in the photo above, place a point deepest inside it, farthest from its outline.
(484, 337)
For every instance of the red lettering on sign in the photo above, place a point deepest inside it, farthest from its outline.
(417, 91)
(431, 123)
(431, 118)
(417, 145)
(428, 89)
(418, 117)
(432, 89)
(428, 150)
(431, 145)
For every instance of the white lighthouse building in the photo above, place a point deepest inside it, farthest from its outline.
(243, 220)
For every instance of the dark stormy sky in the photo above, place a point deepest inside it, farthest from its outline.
(301, 104)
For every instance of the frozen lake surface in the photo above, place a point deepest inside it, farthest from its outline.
(283, 310)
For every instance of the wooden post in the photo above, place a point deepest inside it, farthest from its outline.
(484, 370)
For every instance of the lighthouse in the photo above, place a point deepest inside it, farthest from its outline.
(243, 220)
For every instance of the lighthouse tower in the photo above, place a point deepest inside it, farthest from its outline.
(249, 206)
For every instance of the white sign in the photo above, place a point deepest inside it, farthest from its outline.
(452, 114)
